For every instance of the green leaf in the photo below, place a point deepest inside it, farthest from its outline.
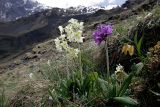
(135, 38)
(3, 100)
(103, 86)
(136, 68)
(125, 85)
(126, 101)
(93, 76)
(155, 93)
(78, 83)
(112, 90)
(139, 46)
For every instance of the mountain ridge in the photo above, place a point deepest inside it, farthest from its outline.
(14, 9)
(23, 33)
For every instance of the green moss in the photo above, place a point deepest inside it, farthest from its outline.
(157, 11)
(120, 29)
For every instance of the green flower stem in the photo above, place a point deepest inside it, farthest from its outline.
(67, 67)
(59, 77)
(80, 60)
(107, 59)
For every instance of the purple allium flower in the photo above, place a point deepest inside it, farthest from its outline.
(101, 33)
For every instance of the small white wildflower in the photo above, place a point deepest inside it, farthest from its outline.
(119, 73)
(74, 31)
(50, 98)
(49, 62)
(78, 37)
(71, 33)
(73, 20)
(64, 44)
(61, 29)
(119, 68)
(53, 90)
(73, 53)
(81, 24)
(76, 52)
(31, 75)
(58, 44)
(62, 37)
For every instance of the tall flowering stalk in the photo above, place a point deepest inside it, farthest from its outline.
(71, 33)
(101, 34)
(74, 32)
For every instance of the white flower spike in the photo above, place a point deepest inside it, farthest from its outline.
(71, 33)
(61, 29)
(58, 44)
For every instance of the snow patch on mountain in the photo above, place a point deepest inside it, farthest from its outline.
(14, 9)
(86, 3)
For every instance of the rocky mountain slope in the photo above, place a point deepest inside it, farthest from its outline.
(20, 35)
(13, 9)
(36, 28)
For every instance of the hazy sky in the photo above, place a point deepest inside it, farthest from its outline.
(68, 3)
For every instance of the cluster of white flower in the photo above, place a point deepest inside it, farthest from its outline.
(119, 68)
(71, 33)
(119, 73)
(58, 44)
(72, 52)
(74, 31)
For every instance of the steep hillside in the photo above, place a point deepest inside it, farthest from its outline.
(21, 34)
(30, 64)
(13, 9)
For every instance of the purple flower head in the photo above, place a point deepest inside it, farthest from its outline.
(101, 33)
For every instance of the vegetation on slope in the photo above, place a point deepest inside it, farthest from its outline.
(43, 81)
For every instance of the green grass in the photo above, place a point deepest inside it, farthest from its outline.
(3, 99)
